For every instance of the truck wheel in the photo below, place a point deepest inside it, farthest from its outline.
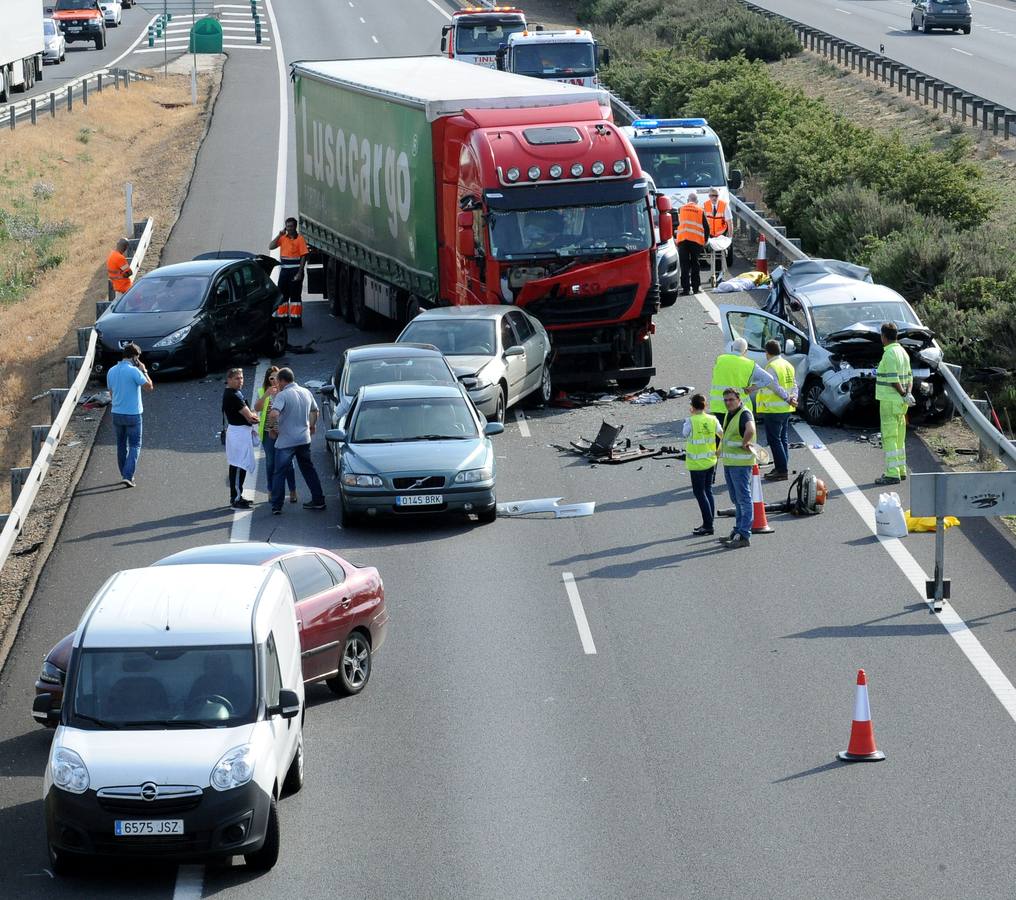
(332, 286)
(362, 316)
(344, 300)
(641, 358)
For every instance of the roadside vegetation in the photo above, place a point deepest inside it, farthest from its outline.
(924, 219)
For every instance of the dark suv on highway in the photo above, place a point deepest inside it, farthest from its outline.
(81, 20)
(952, 14)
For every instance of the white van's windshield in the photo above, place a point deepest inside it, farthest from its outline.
(673, 167)
(164, 687)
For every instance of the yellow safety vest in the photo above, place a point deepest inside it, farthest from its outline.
(700, 449)
(732, 452)
(893, 368)
(730, 371)
(768, 401)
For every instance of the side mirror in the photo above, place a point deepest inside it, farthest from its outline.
(664, 207)
(328, 390)
(735, 180)
(500, 56)
(515, 351)
(444, 43)
(465, 243)
(289, 705)
(492, 428)
(42, 706)
(336, 435)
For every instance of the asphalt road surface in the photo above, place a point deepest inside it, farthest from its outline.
(691, 754)
(981, 62)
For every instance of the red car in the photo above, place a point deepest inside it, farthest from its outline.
(340, 609)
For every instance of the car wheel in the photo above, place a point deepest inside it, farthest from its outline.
(966, 29)
(927, 27)
(500, 405)
(354, 666)
(294, 777)
(264, 859)
(201, 356)
(641, 357)
(668, 298)
(486, 516)
(812, 408)
(100, 41)
(347, 518)
(913, 24)
(63, 55)
(63, 864)
(278, 338)
(541, 396)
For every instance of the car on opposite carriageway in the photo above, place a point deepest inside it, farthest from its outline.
(187, 314)
(340, 607)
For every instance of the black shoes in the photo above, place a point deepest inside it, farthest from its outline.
(737, 542)
(776, 476)
(241, 504)
(701, 530)
(315, 504)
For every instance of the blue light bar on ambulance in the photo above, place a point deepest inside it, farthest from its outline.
(653, 124)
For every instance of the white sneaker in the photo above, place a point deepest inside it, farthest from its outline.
(128, 482)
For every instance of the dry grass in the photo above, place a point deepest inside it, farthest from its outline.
(148, 134)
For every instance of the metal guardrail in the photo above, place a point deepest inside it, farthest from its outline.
(790, 249)
(874, 64)
(14, 522)
(44, 104)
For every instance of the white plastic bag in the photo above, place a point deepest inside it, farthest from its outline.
(889, 518)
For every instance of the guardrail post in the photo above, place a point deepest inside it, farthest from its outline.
(839, 53)
(39, 433)
(867, 64)
(35, 117)
(976, 104)
(126, 78)
(84, 92)
(74, 364)
(1007, 123)
(927, 88)
(70, 98)
(116, 78)
(18, 478)
(997, 113)
(84, 335)
(56, 399)
(984, 115)
(100, 307)
(98, 82)
(52, 104)
(918, 84)
(13, 115)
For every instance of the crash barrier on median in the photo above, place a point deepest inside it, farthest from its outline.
(782, 249)
(25, 482)
(35, 107)
(988, 114)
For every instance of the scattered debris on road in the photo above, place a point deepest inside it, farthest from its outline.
(644, 397)
(546, 505)
(608, 447)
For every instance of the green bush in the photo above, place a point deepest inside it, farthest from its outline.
(975, 321)
(850, 218)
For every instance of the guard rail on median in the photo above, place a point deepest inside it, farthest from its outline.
(874, 64)
(81, 367)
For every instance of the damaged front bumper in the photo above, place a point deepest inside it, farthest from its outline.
(849, 390)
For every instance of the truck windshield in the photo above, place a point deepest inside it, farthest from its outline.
(572, 231)
(554, 60)
(164, 687)
(673, 167)
(484, 37)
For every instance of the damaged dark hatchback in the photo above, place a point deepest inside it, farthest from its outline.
(826, 315)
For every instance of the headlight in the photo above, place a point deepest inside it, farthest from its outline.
(533, 173)
(69, 772)
(512, 174)
(171, 340)
(51, 674)
(556, 171)
(235, 768)
(620, 166)
(596, 168)
(576, 170)
(473, 475)
(353, 480)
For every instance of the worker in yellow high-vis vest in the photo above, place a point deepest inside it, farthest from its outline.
(738, 458)
(775, 411)
(893, 382)
(702, 431)
(735, 370)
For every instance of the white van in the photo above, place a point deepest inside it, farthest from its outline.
(181, 723)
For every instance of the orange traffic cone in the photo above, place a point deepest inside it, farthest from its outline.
(762, 263)
(862, 735)
(760, 524)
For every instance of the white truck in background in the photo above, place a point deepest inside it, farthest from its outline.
(476, 33)
(570, 55)
(21, 46)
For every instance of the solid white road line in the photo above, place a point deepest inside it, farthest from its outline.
(520, 417)
(242, 517)
(994, 6)
(137, 40)
(189, 883)
(580, 614)
(444, 12)
(950, 619)
(283, 153)
(964, 52)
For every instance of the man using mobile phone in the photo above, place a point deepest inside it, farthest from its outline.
(125, 381)
(293, 259)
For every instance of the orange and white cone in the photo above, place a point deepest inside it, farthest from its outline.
(762, 263)
(862, 735)
(760, 524)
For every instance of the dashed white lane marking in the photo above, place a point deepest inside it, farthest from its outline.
(189, 883)
(579, 612)
(957, 50)
(950, 619)
(994, 6)
(363, 21)
(444, 12)
(842, 11)
(373, 38)
(520, 417)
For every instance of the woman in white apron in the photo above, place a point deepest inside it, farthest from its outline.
(241, 437)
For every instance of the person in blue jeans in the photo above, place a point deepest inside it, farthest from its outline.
(264, 403)
(125, 381)
(292, 421)
(738, 458)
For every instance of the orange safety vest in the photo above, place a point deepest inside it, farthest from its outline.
(717, 218)
(118, 272)
(689, 224)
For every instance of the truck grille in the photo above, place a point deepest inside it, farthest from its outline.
(426, 483)
(609, 306)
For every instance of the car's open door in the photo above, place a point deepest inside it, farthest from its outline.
(758, 327)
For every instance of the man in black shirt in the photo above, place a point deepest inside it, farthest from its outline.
(239, 437)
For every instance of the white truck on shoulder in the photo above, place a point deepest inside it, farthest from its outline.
(21, 46)
(475, 33)
(571, 56)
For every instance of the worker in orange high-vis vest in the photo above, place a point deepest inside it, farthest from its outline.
(721, 221)
(692, 228)
(118, 269)
(293, 258)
